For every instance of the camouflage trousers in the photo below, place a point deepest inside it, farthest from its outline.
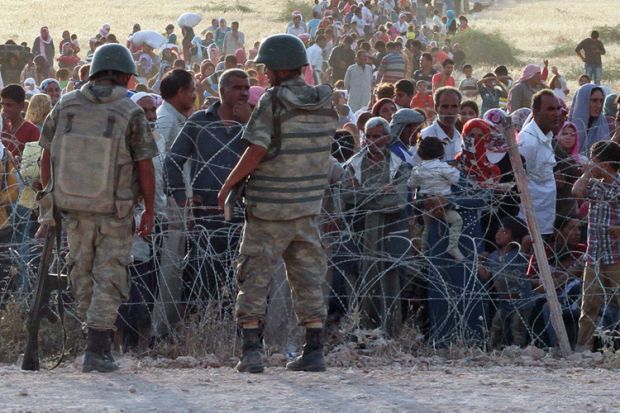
(99, 253)
(297, 242)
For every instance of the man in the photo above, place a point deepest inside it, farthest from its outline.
(403, 93)
(211, 140)
(296, 27)
(358, 82)
(43, 45)
(392, 67)
(380, 197)
(444, 78)
(412, 53)
(288, 158)
(234, 39)
(536, 147)
(100, 125)
(447, 104)
(520, 95)
(593, 49)
(16, 131)
(426, 71)
(341, 58)
(230, 62)
(178, 90)
(315, 57)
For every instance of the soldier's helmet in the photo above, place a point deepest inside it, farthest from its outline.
(112, 57)
(282, 52)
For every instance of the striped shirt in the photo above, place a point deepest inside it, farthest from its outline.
(392, 67)
(603, 245)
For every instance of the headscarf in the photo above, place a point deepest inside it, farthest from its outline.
(473, 157)
(500, 124)
(402, 118)
(574, 151)
(45, 84)
(451, 18)
(240, 55)
(611, 108)
(376, 108)
(519, 117)
(255, 94)
(579, 114)
(105, 30)
(529, 72)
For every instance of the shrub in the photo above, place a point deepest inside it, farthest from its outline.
(305, 7)
(485, 48)
(609, 33)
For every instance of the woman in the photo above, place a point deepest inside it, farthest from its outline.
(586, 113)
(567, 140)
(468, 111)
(51, 88)
(188, 36)
(476, 139)
(39, 107)
(506, 198)
(384, 108)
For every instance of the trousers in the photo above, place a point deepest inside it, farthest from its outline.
(598, 283)
(298, 243)
(99, 255)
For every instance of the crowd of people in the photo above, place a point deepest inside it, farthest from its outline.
(422, 220)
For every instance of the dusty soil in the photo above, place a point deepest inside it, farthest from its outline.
(527, 386)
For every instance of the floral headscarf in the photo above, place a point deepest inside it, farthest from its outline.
(474, 154)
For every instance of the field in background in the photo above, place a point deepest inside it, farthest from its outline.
(537, 28)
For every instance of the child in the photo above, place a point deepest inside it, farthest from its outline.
(422, 99)
(600, 185)
(435, 177)
(507, 268)
(469, 85)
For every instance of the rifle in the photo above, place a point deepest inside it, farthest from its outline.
(46, 283)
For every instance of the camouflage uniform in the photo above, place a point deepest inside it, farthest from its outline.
(283, 200)
(99, 239)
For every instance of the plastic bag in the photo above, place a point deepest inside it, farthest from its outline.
(189, 19)
(148, 37)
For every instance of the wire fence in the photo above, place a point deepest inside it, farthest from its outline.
(388, 267)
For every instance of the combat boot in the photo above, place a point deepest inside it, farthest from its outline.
(97, 356)
(252, 357)
(312, 358)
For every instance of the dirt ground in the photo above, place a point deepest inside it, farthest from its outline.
(419, 387)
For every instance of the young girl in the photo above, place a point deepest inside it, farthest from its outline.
(435, 177)
(556, 85)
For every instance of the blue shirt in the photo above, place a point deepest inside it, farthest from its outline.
(214, 147)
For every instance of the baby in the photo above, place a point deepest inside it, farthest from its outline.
(435, 177)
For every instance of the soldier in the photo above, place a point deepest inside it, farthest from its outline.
(96, 163)
(288, 157)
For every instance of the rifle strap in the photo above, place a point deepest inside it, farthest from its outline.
(60, 306)
(276, 137)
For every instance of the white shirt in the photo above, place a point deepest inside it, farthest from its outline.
(434, 177)
(452, 144)
(536, 149)
(315, 57)
(169, 122)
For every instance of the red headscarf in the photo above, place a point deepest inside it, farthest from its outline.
(474, 154)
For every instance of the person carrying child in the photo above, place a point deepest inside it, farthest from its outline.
(434, 177)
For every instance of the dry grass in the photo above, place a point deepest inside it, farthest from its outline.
(543, 28)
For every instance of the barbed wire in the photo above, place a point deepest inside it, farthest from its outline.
(382, 276)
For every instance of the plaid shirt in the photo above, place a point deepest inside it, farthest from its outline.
(603, 246)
